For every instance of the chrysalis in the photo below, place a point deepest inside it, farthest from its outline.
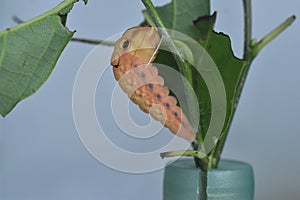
(131, 61)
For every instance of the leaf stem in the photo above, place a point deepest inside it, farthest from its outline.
(92, 41)
(257, 47)
(247, 29)
(197, 154)
(171, 45)
(155, 18)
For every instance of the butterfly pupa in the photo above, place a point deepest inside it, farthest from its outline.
(131, 61)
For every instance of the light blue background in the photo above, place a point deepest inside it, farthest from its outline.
(41, 156)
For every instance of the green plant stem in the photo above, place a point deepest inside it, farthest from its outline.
(154, 18)
(247, 29)
(192, 153)
(203, 185)
(200, 158)
(158, 22)
(257, 47)
(171, 45)
(149, 19)
(91, 41)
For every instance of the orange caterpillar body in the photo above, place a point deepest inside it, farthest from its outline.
(131, 61)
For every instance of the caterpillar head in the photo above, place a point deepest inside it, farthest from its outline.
(140, 42)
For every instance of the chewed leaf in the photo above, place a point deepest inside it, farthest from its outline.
(218, 45)
(28, 54)
(179, 15)
(204, 25)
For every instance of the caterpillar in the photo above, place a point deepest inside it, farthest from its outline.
(132, 65)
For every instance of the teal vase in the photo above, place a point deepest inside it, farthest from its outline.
(233, 180)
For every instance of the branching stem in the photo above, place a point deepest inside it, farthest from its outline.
(257, 47)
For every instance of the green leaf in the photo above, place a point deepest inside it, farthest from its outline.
(218, 46)
(29, 52)
(205, 25)
(180, 14)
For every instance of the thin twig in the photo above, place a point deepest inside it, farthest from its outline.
(92, 41)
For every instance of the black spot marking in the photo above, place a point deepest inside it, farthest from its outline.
(134, 66)
(125, 44)
(158, 96)
(167, 105)
(150, 86)
(176, 114)
(142, 75)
